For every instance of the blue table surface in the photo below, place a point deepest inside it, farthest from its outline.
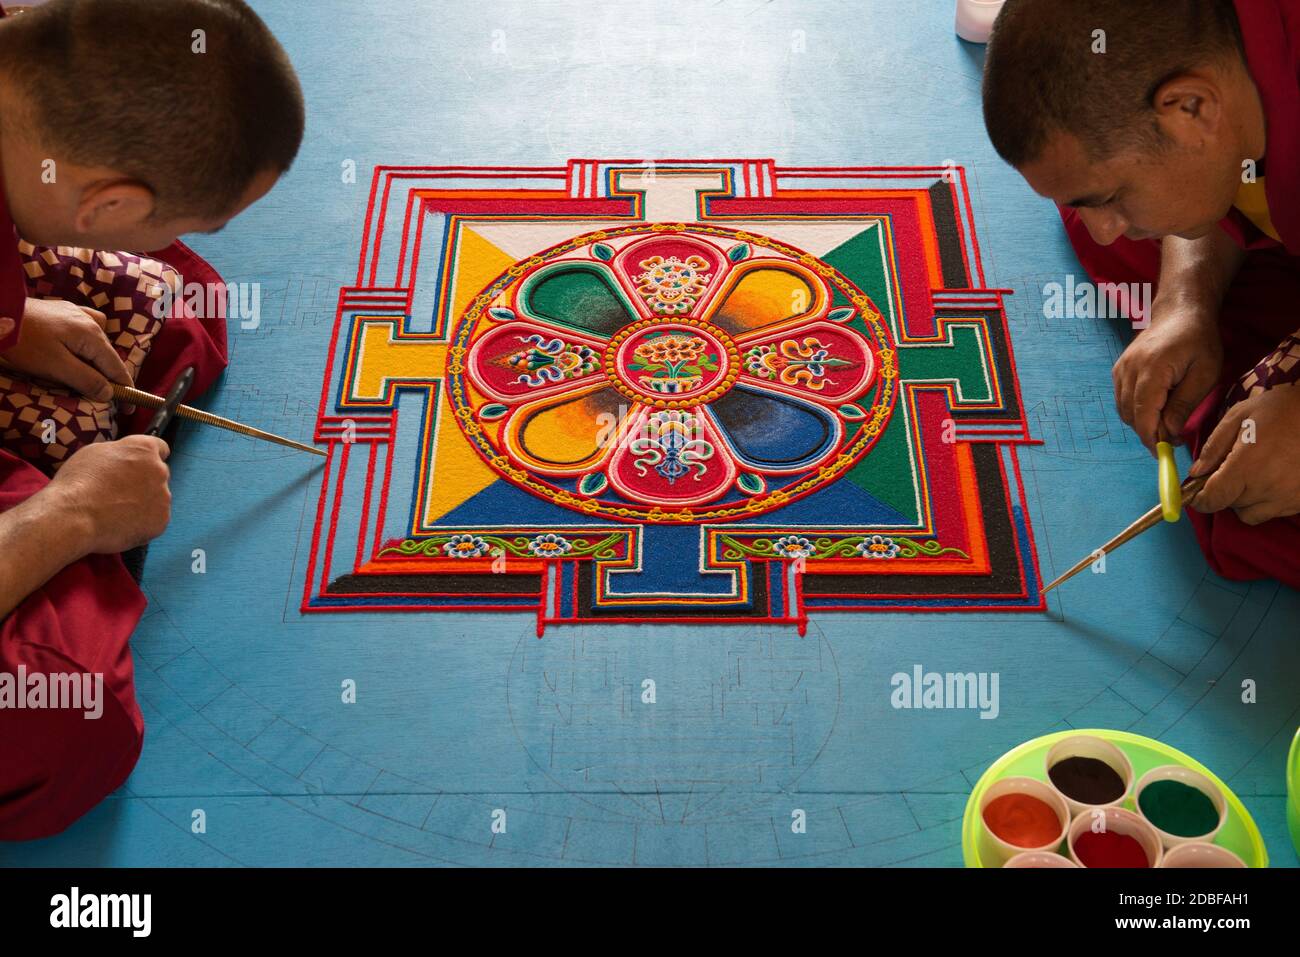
(458, 716)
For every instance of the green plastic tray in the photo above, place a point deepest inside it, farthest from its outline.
(1293, 791)
(1239, 833)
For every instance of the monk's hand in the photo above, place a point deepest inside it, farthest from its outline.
(1167, 370)
(115, 494)
(1254, 455)
(66, 343)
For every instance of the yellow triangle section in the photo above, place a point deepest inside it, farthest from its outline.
(457, 472)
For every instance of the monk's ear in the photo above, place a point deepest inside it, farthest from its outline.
(113, 205)
(1188, 107)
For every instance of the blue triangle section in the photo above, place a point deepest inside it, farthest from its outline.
(842, 503)
(503, 502)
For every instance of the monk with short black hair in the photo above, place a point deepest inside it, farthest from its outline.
(172, 132)
(1168, 134)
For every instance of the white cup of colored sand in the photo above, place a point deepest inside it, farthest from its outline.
(1040, 859)
(995, 851)
(1193, 779)
(1118, 820)
(1087, 746)
(1197, 854)
(975, 19)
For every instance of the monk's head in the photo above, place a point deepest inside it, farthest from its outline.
(1139, 113)
(126, 123)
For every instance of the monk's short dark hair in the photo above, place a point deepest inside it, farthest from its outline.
(1044, 74)
(133, 85)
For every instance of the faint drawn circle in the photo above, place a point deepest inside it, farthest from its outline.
(623, 726)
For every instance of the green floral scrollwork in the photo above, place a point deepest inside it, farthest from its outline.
(476, 545)
(849, 546)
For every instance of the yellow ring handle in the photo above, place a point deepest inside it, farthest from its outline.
(1171, 492)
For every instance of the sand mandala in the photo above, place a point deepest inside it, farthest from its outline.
(688, 391)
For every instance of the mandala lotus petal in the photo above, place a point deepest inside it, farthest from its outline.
(819, 361)
(577, 295)
(774, 432)
(761, 293)
(567, 434)
(671, 275)
(527, 360)
(671, 457)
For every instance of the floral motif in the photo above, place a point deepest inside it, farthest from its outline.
(670, 286)
(671, 445)
(466, 546)
(878, 546)
(670, 350)
(793, 546)
(545, 362)
(550, 545)
(676, 361)
(794, 363)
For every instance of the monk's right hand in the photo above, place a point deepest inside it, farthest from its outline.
(1167, 370)
(115, 494)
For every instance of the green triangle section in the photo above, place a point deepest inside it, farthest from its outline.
(861, 260)
(887, 471)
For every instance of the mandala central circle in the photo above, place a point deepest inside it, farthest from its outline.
(670, 373)
(672, 364)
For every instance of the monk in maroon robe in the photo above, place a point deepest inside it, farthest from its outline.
(1168, 133)
(89, 158)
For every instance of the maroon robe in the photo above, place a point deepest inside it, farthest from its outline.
(1260, 309)
(55, 765)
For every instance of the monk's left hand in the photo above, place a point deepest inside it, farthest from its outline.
(1256, 452)
(65, 343)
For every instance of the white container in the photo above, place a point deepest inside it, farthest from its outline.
(1042, 859)
(994, 851)
(975, 19)
(1087, 746)
(1201, 855)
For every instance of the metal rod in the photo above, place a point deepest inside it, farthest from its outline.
(125, 393)
(1146, 522)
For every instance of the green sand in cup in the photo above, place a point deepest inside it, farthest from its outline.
(1179, 809)
(1087, 780)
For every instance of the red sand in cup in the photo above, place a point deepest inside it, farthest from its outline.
(1022, 820)
(1109, 849)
